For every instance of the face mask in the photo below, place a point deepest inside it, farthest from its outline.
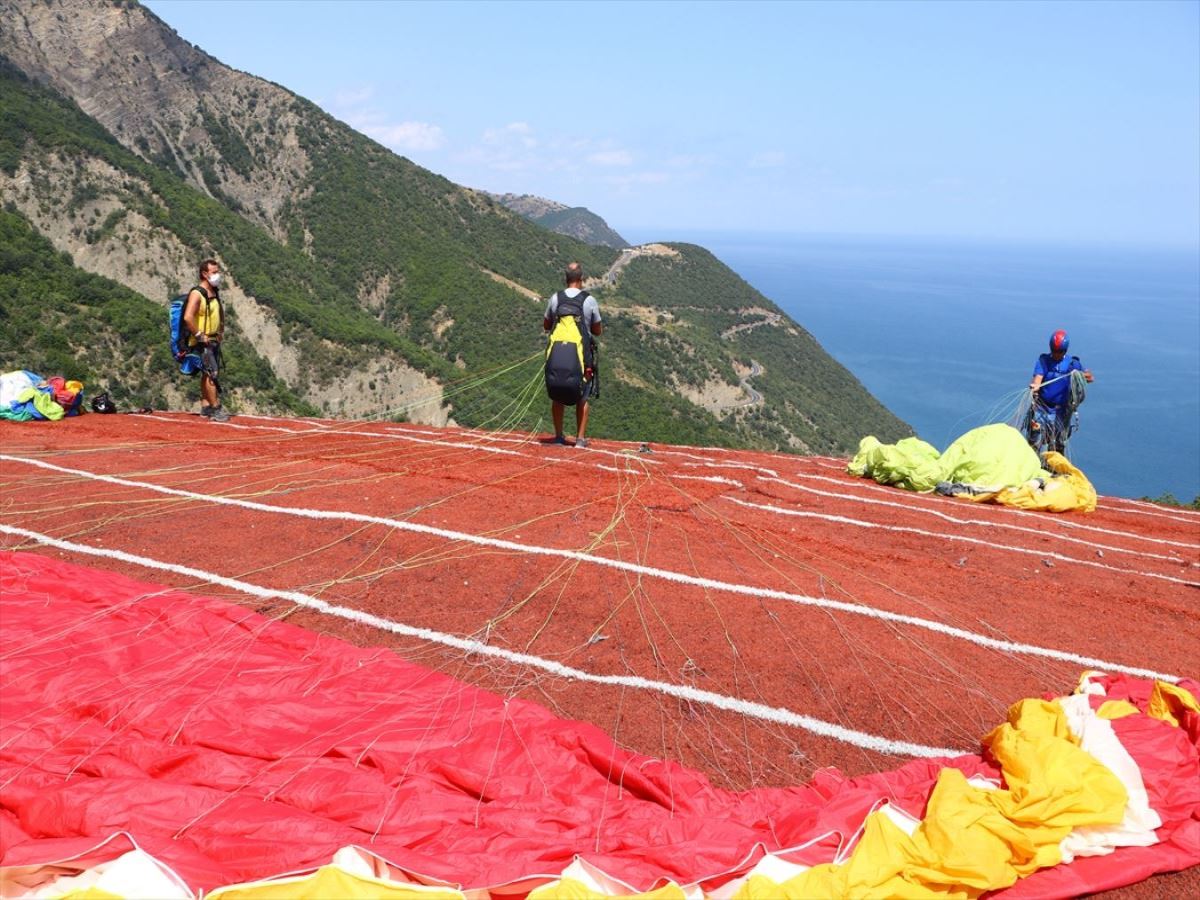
(215, 279)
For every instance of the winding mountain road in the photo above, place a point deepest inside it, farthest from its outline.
(767, 319)
(756, 398)
(628, 255)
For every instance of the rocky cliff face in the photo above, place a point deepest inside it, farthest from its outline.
(528, 205)
(98, 223)
(231, 136)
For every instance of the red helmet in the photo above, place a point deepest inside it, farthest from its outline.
(1059, 342)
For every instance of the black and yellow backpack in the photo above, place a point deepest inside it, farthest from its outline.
(569, 350)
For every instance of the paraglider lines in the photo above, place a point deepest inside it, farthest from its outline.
(690, 694)
(668, 575)
(977, 522)
(859, 523)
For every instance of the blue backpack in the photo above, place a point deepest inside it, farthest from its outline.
(187, 357)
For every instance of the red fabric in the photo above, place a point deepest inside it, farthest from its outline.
(57, 387)
(233, 747)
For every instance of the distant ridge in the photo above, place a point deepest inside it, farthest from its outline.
(573, 221)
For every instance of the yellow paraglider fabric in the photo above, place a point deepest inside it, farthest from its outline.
(333, 881)
(1052, 785)
(1169, 701)
(572, 889)
(1068, 490)
(1116, 709)
(973, 840)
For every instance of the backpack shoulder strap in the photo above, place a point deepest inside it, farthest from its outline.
(574, 305)
(203, 296)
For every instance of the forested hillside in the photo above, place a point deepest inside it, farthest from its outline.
(359, 283)
(714, 324)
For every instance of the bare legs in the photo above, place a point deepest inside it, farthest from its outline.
(208, 390)
(581, 414)
(581, 417)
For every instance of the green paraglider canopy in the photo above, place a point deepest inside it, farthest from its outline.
(991, 457)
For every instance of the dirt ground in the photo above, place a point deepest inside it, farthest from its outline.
(851, 622)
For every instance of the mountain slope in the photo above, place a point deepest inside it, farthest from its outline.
(369, 285)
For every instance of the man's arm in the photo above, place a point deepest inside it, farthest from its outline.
(591, 312)
(190, 309)
(1039, 373)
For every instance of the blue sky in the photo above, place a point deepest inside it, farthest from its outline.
(1063, 121)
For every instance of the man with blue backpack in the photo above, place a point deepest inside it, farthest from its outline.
(1057, 393)
(201, 315)
(571, 319)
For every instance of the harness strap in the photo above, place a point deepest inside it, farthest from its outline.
(575, 303)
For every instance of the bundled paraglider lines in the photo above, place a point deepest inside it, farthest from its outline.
(1046, 427)
(1021, 407)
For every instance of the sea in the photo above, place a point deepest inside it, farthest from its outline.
(945, 333)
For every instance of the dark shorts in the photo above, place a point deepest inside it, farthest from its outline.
(202, 359)
(211, 358)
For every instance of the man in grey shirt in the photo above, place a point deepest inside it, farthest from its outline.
(590, 325)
